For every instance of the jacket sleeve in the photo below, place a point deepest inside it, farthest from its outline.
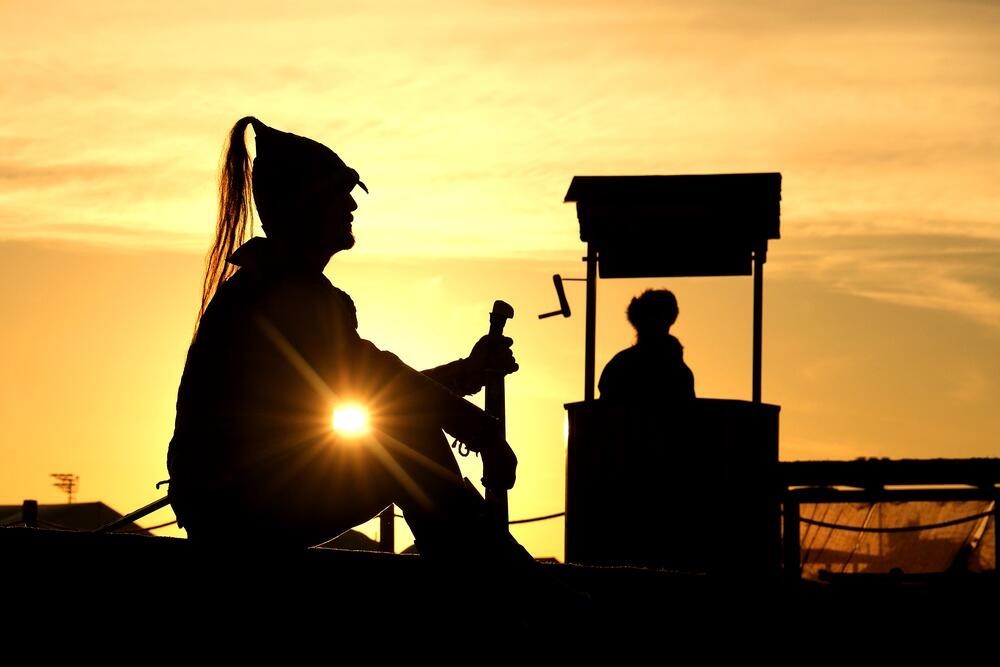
(402, 396)
(458, 377)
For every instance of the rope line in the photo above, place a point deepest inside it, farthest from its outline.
(900, 529)
(509, 523)
(162, 525)
(537, 518)
(42, 523)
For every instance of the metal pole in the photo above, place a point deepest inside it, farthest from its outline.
(386, 531)
(132, 517)
(759, 257)
(791, 538)
(29, 513)
(996, 532)
(591, 335)
(496, 405)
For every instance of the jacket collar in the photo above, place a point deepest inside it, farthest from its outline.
(259, 254)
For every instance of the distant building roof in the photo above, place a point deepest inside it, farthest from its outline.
(68, 516)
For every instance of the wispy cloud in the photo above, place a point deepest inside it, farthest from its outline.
(471, 117)
(30, 174)
(114, 236)
(959, 275)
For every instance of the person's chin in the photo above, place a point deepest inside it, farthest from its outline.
(342, 243)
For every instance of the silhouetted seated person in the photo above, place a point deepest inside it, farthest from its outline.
(648, 453)
(652, 370)
(277, 350)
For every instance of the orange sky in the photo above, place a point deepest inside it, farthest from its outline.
(468, 120)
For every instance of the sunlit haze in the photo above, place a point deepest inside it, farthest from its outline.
(467, 121)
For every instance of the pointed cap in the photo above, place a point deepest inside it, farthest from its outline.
(301, 156)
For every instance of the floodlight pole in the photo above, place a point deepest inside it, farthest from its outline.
(591, 326)
(759, 257)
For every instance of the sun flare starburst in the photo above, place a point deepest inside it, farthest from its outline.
(350, 420)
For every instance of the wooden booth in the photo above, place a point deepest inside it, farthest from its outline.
(687, 486)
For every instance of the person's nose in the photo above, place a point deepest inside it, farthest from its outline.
(352, 204)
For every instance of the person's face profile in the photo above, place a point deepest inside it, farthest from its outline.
(335, 208)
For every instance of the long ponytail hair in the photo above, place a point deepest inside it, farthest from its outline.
(235, 211)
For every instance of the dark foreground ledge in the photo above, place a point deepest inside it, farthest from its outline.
(118, 587)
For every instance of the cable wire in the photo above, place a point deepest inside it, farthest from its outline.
(162, 525)
(140, 529)
(537, 518)
(900, 529)
(511, 523)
